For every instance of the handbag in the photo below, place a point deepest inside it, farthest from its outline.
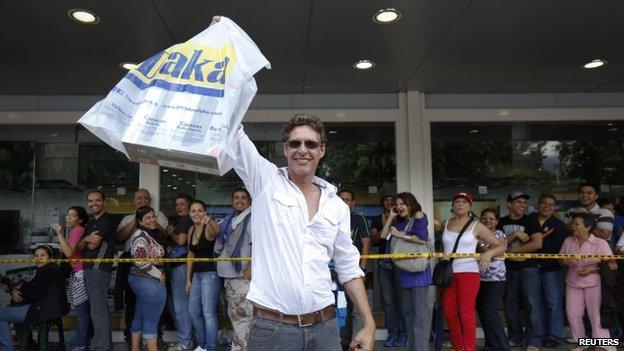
(443, 271)
(415, 265)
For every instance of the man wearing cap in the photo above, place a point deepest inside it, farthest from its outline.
(523, 278)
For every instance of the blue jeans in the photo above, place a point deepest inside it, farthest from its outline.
(266, 335)
(524, 283)
(8, 315)
(180, 313)
(203, 308)
(83, 319)
(391, 290)
(151, 296)
(552, 311)
(489, 302)
(417, 317)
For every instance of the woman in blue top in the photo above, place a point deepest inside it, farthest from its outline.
(406, 221)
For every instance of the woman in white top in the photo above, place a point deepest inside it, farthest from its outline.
(459, 298)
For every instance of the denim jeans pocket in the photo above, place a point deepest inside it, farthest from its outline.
(263, 329)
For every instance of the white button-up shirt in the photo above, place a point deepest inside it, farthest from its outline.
(290, 251)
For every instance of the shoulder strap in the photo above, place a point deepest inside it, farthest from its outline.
(461, 232)
(409, 225)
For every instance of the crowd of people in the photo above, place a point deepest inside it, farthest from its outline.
(304, 236)
(544, 291)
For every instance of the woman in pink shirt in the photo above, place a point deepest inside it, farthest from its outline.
(76, 219)
(583, 290)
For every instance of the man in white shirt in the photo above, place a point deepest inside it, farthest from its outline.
(299, 224)
(128, 226)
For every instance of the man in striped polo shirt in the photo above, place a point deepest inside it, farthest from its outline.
(588, 199)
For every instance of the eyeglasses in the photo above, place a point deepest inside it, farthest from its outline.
(309, 144)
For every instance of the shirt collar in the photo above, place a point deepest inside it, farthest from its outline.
(595, 208)
(592, 239)
(320, 182)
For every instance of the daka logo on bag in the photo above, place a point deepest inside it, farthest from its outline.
(186, 67)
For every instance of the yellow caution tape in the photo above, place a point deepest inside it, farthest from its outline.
(400, 256)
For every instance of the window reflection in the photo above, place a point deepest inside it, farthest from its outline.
(492, 159)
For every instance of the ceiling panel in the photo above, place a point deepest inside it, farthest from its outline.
(615, 85)
(128, 31)
(278, 27)
(343, 32)
(561, 71)
(32, 67)
(494, 41)
(443, 46)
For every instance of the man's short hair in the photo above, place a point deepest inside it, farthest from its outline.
(188, 198)
(241, 189)
(591, 185)
(96, 191)
(347, 191)
(547, 196)
(143, 190)
(304, 120)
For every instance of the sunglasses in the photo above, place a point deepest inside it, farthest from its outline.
(309, 144)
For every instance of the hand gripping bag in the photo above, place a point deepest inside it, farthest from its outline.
(177, 107)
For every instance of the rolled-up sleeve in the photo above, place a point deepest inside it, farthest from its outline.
(346, 256)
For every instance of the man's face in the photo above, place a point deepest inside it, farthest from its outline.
(348, 199)
(142, 198)
(587, 196)
(182, 207)
(517, 206)
(95, 203)
(388, 202)
(546, 207)
(303, 150)
(240, 201)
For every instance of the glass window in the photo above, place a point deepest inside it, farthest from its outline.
(490, 160)
(60, 162)
(359, 156)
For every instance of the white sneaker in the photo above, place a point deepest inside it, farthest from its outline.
(199, 348)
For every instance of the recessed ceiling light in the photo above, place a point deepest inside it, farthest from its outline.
(168, 185)
(595, 64)
(333, 132)
(473, 131)
(193, 185)
(83, 16)
(175, 188)
(614, 129)
(387, 16)
(174, 175)
(128, 65)
(364, 65)
(165, 170)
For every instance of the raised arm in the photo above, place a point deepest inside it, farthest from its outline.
(242, 155)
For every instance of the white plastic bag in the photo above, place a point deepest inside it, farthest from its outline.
(178, 106)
